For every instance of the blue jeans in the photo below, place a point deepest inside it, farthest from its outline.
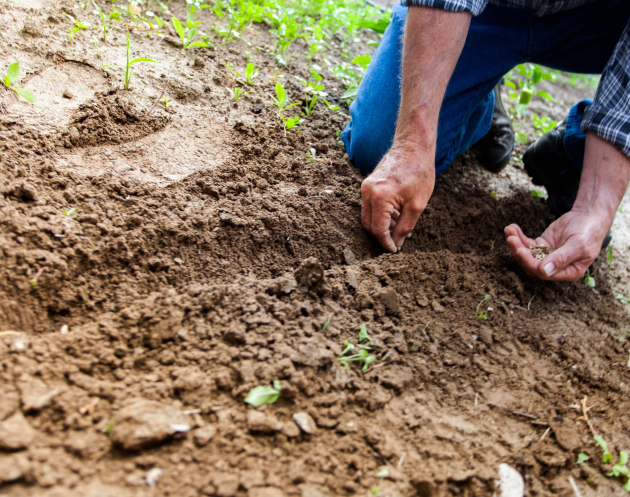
(579, 40)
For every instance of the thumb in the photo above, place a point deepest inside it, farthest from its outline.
(406, 223)
(557, 262)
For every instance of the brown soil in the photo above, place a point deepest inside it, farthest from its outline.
(205, 258)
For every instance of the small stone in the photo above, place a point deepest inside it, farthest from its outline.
(36, 394)
(202, 436)
(145, 422)
(290, 430)
(153, 475)
(226, 485)
(349, 257)
(305, 422)
(67, 94)
(257, 108)
(262, 422)
(16, 433)
(510, 483)
(389, 298)
(177, 260)
(199, 63)
(347, 427)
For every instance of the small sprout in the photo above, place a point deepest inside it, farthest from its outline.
(70, 212)
(589, 281)
(367, 361)
(76, 26)
(609, 255)
(348, 347)
(236, 93)
(36, 277)
(620, 468)
(375, 490)
(13, 76)
(491, 245)
(128, 72)
(539, 194)
(327, 323)
(363, 334)
(582, 457)
(109, 428)
(250, 73)
(263, 394)
(481, 314)
(606, 456)
(187, 35)
(102, 16)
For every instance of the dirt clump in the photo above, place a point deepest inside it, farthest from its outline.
(111, 119)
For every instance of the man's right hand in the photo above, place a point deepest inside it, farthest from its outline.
(396, 193)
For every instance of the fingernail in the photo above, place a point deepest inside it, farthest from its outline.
(549, 268)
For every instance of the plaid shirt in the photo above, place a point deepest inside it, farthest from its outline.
(609, 116)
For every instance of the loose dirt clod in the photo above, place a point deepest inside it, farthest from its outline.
(540, 251)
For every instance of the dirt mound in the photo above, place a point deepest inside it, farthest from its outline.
(135, 318)
(111, 119)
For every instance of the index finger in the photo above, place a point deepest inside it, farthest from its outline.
(380, 224)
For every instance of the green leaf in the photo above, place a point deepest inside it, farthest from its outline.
(178, 27)
(582, 457)
(378, 26)
(350, 92)
(262, 394)
(367, 361)
(510, 84)
(29, 96)
(362, 60)
(327, 323)
(7, 81)
(526, 96)
(13, 72)
(197, 44)
(520, 138)
(140, 59)
(546, 95)
(282, 95)
(363, 334)
(607, 456)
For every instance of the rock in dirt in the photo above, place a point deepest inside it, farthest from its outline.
(263, 422)
(305, 422)
(265, 492)
(510, 483)
(310, 272)
(349, 258)
(35, 393)
(389, 298)
(87, 444)
(146, 422)
(13, 467)
(202, 436)
(290, 430)
(152, 477)
(16, 433)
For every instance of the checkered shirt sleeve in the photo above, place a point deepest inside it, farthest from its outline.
(609, 116)
(475, 7)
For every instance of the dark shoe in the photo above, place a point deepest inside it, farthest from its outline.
(495, 149)
(548, 164)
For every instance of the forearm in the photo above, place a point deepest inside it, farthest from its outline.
(605, 176)
(434, 39)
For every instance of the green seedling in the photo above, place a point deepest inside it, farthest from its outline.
(115, 14)
(187, 35)
(104, 23)
(606, 456)
(70, 212)
(315, 89)
(128, 72)
(609, 256)
(36, 277)
(250, 73)
(521, 137)
(327, 323)
(377, 26)
(13, 76)
(533, 74)
(331, 107)
(482, 314)
(589, 281)
(621, 298)
(165, 101)
(539, 194)
(108, 429)
(76, 26)
(543, 124)
(363, 334)
(232, 75)
(290, 122)
(282, 100)
(236, 93)
(491, 245)
(582, 458)
(264, 394)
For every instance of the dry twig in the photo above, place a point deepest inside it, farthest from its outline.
(585, 416)
(157, 99)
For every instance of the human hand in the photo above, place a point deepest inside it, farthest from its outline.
(576, 237)
(396, 193)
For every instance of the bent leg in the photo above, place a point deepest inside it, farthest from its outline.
(496, 41)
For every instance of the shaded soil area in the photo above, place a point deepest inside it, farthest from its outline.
(156, 267)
